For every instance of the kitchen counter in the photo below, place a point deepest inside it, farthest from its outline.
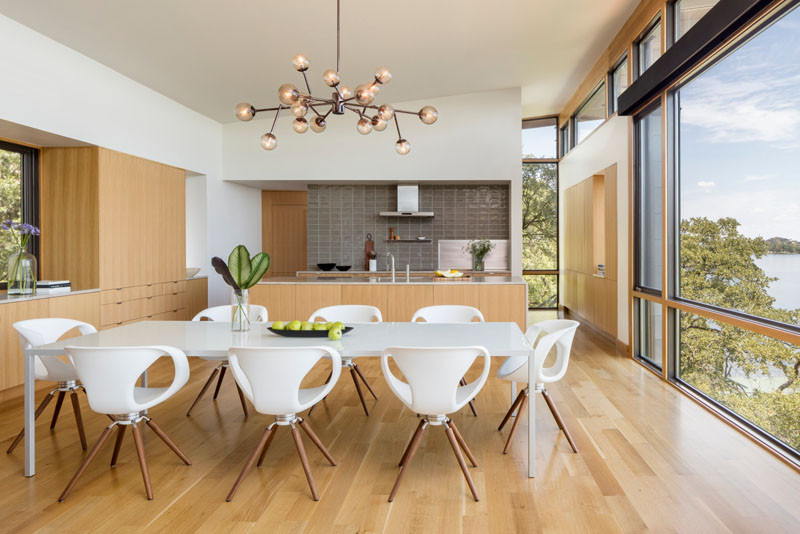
(5, 298)
(361, 272)
(400, 279)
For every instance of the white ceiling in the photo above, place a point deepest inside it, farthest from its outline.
(209, 55)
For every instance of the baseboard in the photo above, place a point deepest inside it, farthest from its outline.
(620, 347)
(623, 349)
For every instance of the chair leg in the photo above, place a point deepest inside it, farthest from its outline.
(457, 451)
(463, 382)
(57, 411)
(202, 391)
(330, 374)
(517, 419)
(301, 451)
(358, 390)
(137, 440)
(412, 450)
(39, 410)
(76, 408)
(363, 379)
(171, 444)
(249, 464)
(408, 447)
(462, 443)
(266, 445)
(242, 399)
(85, 464)
(511, 410)
(307, 428)
(118, 443)
(219, 381)
(559, 420)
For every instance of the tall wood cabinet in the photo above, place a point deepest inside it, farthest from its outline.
(115, 222)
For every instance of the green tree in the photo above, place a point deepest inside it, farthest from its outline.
(540, 230)
(10, 202)
(754, 375)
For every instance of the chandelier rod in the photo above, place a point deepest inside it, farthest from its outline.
(338, 39)
(397, 125)
(276, 118)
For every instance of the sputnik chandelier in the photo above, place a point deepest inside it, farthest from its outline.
(342, 99)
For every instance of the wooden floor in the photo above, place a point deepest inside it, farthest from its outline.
(650, 459)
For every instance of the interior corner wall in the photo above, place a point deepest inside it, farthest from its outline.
(607, 145)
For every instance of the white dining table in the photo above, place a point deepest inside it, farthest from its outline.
(211, 340)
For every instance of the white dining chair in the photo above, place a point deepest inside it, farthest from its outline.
(434, 390)
(350, 314)
(557, 333)
(450, 313)
(36, 332)
(271, 378)
(110, 376)
(225, 314)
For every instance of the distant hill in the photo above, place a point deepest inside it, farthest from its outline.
(782, 245)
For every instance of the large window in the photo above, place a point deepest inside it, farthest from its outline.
(617, 83)
(540, 211)
(648, 47)
(18, 197)
(688, 12)
(563, 140)
(649, 200)
(591, 114)
(648, 319)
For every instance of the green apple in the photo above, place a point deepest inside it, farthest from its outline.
(338, 325)
(305, 325)
(335, 334)
(319, 326)
(294, 325)
(329, 325)
(278, 325)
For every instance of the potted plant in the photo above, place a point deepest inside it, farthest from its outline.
(479, 248)
(241, 273)
(21, 265)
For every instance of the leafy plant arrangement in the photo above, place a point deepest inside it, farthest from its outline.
(241, 273)
(21, 265)
(479, 248)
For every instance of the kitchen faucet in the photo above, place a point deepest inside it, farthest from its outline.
(390, 255)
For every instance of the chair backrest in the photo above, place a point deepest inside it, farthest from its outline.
(225, 314)
(448, 314)
(37, 332)
(110, 375)
(271, 376)
(433, 376)
(558, 332)
(348, 313)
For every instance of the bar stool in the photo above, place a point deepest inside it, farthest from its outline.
(271, 378)
(110, 375)
(351, 313)
(225, 314)
(558, 333)
(36, 332)
(450, 313)
(433, 390)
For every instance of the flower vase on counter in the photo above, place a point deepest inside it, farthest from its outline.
(477, 263)
(479, 248)
(22, 268)
(240, 310)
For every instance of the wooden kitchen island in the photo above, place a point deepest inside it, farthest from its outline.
(500, 298)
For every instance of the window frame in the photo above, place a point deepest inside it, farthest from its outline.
(600, 86)
(563, 140)
(611, 105)
(637, 66)
(30, 194)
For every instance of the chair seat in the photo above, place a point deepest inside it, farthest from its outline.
(514, 369)
(147, 395)
(307, 396)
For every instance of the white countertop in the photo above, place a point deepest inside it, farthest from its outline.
(400, 279)
(361, 272)
(5, 298)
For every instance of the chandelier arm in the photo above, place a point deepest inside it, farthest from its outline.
(338, 37)
(397, 125)
(357, 112)
(355, 109)
(306, 80)
(407, 112)
(265, 109)
(311, 107)
(276, 118)
(328, 113)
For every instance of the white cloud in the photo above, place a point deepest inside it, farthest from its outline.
(756, 177)
(705, 185)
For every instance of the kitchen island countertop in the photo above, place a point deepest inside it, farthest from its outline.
(400, 279)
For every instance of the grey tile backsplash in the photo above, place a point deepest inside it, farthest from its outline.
(339, 217)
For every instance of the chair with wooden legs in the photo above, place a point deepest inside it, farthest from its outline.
(434, 390)
(350, 314)
(110, 375)
(450, 313)
(225, 314)
(271, 378)
(558, 333)
(37, 332)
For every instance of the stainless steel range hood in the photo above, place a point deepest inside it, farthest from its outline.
(407, 203)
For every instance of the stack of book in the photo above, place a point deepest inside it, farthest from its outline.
(53, 287)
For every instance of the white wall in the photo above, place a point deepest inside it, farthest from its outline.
(197, 223)
(604, 147)
(477, 137)
(58, 90)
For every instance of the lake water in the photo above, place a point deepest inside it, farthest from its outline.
(786, 268)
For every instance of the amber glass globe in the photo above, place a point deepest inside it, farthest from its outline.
(364, 126)
(386, 112)
(378, 124)
(300, 125)
(383, 75)
(331, 78)
(346, 92)
(402, 146)
(300, 62)
(288, 94)
(269, 141)
(318, 125)
(245, 112)
(364, 95)
(299, 109)
(428, 114)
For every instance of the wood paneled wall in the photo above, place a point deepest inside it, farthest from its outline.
(284, 231)
(196, 296)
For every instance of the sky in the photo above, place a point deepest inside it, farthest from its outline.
(740, 136)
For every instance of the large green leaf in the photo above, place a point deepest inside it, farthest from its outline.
(258, 267)
(225, 273)
(239, 265)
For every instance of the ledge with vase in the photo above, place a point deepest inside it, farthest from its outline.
(22, 268)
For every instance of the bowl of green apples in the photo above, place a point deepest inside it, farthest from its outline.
(333, 330)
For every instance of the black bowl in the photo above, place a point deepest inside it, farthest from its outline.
(326, 266)
(343, 267)
(306, 333)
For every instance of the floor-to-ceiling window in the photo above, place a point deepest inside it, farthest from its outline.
(18, 198)
(540, 211)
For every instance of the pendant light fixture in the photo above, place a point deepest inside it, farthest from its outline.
(360, 102)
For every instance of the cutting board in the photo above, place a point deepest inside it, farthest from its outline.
(465, 278)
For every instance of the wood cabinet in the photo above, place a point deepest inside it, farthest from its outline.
(196, 296)
(284, 231)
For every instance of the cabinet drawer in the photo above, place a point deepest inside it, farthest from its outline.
(121, 312)
(135, 292)
(111, 296)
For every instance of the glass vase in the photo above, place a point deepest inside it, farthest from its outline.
(240, 311)
(22, 274)
(477, 263)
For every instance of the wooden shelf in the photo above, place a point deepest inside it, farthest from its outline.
(408, 240)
